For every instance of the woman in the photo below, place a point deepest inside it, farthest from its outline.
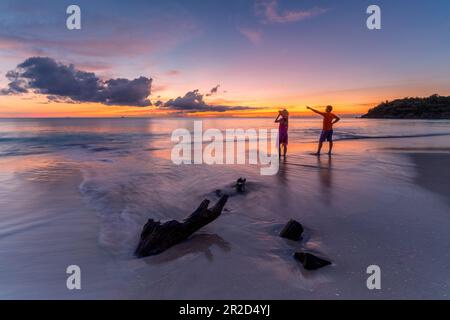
(283, 120)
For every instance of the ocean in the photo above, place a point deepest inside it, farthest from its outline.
(78, 192)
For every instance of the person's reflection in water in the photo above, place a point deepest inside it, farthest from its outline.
(325, 178)
(282, 194)
(282, 172)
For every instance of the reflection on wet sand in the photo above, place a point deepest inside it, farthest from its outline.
(283, 172)
(326, 178)
(428, 175)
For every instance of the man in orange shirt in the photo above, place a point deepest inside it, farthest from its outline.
(327, 131)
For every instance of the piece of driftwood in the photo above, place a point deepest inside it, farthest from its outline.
(310, 261)
(237, 188)
(157, 237)
(240, 185)
(293, 230)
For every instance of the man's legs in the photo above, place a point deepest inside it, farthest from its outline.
(330, 140)
(321, 140)
(319, 147)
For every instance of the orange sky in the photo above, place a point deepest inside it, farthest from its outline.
(263, 59)
(345, 102)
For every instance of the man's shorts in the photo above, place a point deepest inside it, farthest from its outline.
(326, 135)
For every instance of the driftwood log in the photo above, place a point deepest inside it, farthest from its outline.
(157, 237)
(237, 188)
(240, 185)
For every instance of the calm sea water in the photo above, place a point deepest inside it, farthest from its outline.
(38, 136)
(77, 191)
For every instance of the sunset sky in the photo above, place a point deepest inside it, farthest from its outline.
(238, 57)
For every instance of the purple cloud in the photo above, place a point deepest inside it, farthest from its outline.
(193, 101)
(252, 35)
(213, 91)
(270, 10)
(60, 82)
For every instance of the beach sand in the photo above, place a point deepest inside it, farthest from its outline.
(432, 172)
(374, 202)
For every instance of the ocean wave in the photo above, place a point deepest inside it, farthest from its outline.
(118, 144)
(18, 153)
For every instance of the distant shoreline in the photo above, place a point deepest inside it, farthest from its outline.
(393, 118)
(434, 107)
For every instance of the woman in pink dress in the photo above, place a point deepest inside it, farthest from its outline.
(283, 120)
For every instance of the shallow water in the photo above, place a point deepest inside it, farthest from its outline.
(78, 191)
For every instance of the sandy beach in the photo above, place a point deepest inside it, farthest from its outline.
(79, 191)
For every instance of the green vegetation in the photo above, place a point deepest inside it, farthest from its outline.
(433, 107)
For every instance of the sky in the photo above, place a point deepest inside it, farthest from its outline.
(217, 57)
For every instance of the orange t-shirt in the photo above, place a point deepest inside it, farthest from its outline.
(328, 118)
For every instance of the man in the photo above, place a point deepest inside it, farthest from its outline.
(329, 119)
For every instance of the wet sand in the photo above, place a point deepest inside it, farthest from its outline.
(433, 172)
(372, 202)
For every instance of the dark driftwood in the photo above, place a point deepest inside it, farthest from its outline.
(310, 261)
(157, 237)
(240, 185)
(292, 231)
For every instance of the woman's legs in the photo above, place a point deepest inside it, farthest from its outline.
(285, 149)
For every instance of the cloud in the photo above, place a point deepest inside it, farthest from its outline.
(254, 36)
(159, 103)
(95, 66)
(270, 10)
(193, 101)
(213, 91)
(173, 73)
(117, 31)
(60, 82)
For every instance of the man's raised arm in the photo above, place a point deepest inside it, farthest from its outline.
(314, 110)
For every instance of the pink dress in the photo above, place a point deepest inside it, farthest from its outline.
(283, 131)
